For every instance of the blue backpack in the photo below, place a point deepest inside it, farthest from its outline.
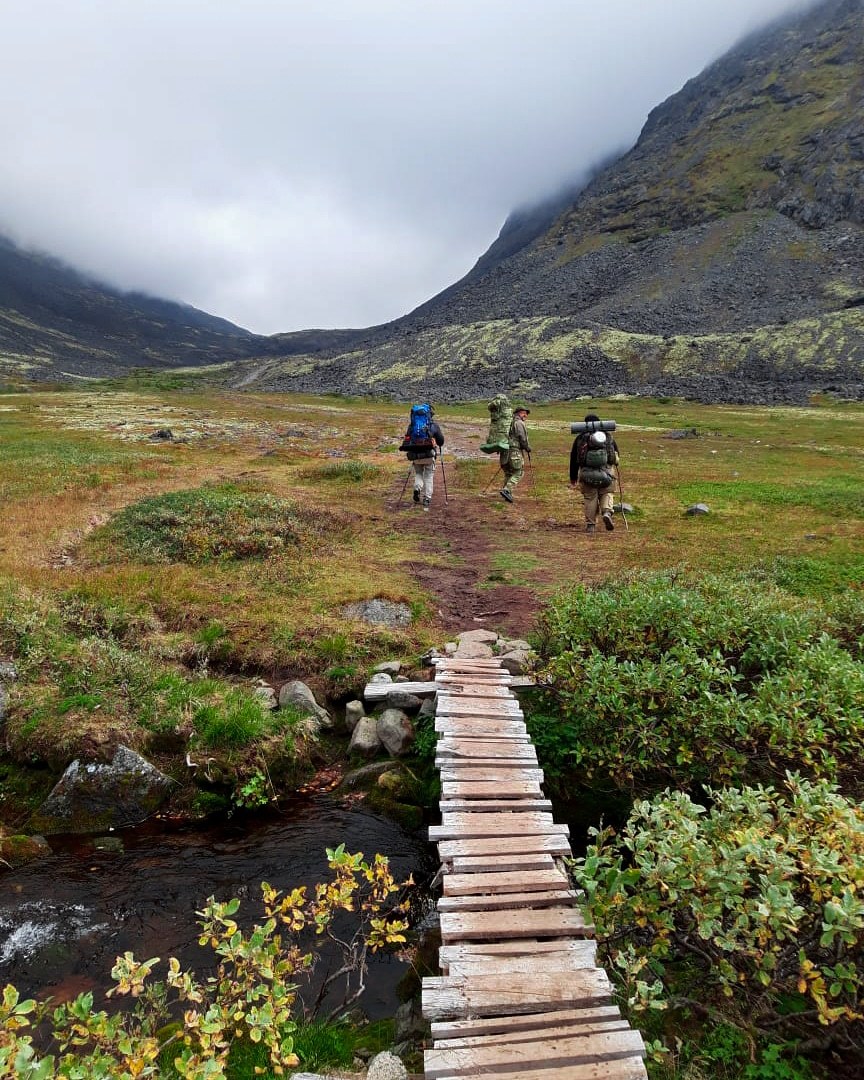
(419, 433)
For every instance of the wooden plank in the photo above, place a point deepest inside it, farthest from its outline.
(489, 789)
(515, 901)
(457, 997)
(469, 864)
(484, 748)
(519, 965)
(521, 947)
(504, 882)
(499, 676)
(487, 806)
(469, 690)
(553, 1031)
(529, 1022)
(461, 826)
(505, 845)
(479, 707)
(495, 925)
(598, 1048)
(632, 1068)
(461, 771)
(450, 661)
(473, 730)
(481, 726)
(377, 691)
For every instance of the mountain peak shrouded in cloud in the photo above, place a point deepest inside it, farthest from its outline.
(290, 166)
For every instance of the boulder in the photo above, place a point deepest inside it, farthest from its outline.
(484, 636)
(624, 508)
(19, 850)
(297, 695)
(267, 696)
(399, 699)
(386, 1066)
(506, 645)
(410, 1024)
(8, 671)
(427, 708)
(450, 648)
(389, 667)
(395, 731)
(365, 774)
(696, 509)
(379, 612)
(96, 796)
(354, 713)
(381, 677)
(474, 650)
(517, 662)
(364, 738)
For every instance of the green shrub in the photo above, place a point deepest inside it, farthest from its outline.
(658, 681)
(212, 523)
(749, 912)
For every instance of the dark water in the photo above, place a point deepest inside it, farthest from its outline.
(65, 919)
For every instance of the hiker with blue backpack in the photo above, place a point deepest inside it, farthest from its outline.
(422, 443)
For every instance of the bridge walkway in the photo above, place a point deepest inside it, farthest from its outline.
(521, 994)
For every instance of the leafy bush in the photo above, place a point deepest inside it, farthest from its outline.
(248, 1004)
(213, 523)
(658, 681)
(749, 911)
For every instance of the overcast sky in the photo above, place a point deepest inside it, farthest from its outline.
(289, 164)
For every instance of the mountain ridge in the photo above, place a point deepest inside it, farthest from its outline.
(721, 257)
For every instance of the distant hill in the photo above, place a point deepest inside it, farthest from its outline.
(720, 258)
(55, 321)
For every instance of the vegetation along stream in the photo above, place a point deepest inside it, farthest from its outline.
(64, 919)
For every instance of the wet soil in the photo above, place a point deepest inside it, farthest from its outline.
(462, 533)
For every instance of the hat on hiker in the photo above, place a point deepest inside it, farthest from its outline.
(521, 408)
(592, 418)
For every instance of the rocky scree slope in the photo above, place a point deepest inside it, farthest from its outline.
(721, 258)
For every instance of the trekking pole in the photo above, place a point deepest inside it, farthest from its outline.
(492, 481)
(533, 478)
(621, 493)
(405, 485)
(444, 477)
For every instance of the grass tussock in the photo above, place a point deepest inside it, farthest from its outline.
(216, 523)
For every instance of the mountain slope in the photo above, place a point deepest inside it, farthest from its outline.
(54, 320)
(721, 257)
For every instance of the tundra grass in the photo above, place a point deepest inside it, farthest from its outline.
(784, 487)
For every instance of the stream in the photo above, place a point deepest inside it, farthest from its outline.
(64, 919)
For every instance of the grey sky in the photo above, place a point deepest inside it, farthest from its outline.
(290, 164)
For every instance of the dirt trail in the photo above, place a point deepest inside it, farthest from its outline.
(456, 533)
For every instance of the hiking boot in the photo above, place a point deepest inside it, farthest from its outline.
(505, 494)
(416, 495)
(608, 522)
(590, 528)
(426, 505)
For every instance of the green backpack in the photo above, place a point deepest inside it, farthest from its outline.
(500, 419)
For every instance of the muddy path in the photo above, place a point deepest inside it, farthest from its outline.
(461, 543)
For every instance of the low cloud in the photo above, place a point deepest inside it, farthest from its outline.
(288, 166)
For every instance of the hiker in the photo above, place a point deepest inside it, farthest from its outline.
(593, 469)
(422, 441)
(511, 459)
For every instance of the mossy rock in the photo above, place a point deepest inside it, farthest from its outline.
(20, 850)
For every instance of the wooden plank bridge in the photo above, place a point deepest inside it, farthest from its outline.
(521, 994)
